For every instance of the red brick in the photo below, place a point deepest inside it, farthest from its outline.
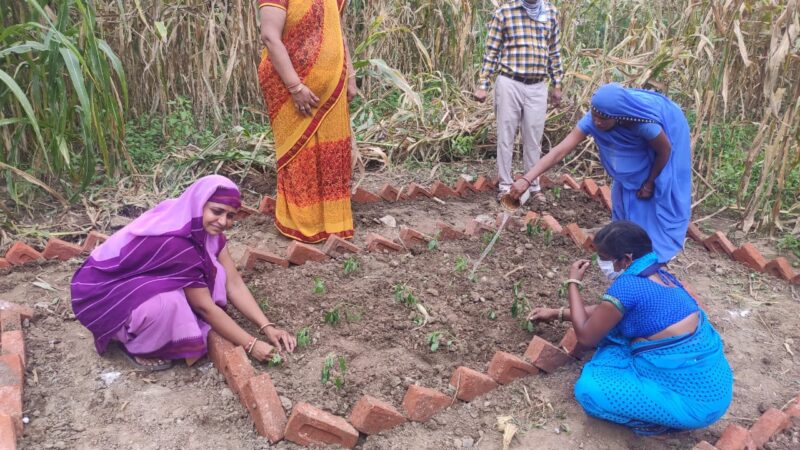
(237, 369)
(477, 228)
(414, 190)
(24, 311)
(703, 445)
(412, 237)
(604, 194)
(571, 345)
(482, 184)
(300, 253)
(391, 193)
(245, 212)
(505, 368)
(719, 243)
(61, 250)
(735, 438)
(695, 234)
(336, 245)
(4, 264)
(470, 384)
(575, 233)
(464, 187)
(10, 321)
(13, 343)
(421, 403)
(264, 405)
(21, 253)
(546, 182)
(441, 190)
(252, 256)
(772, 422)
(372, 416)
(93, 239)
(11, 385)
(311, 426)
(550, 223)
(364, 196)
(749, 255)
(588, 244)
(545, 355)
(530, 218)
(378, 243)
(590, 187)
(511, 223)
(267, 206)
(793, 410)
(780, 267)
(567, 181)
(446, 232)
(217, 346)
(8, 433)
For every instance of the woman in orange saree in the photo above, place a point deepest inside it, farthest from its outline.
(307, 79)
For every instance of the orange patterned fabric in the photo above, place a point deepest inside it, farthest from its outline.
(312, 153)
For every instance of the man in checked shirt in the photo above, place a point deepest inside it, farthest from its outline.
(523, 48)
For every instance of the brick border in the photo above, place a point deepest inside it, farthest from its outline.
(12, 365)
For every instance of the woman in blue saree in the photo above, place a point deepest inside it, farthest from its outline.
(644, 145)
(659, 364)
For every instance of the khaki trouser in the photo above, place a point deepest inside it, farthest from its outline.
(518, 104)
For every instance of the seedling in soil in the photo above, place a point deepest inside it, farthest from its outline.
(328, 366)
(556, 192)
(461, 263)
(332, 317)
(303, 337)
(418, 320)
(520, 303)
(319, 286)
(492, 315)
(403, 295)
(533, 230)
(487, 237)
(433, 340)
(433, 244)
(264, 304)
(595, 259)
(276, 360)
(527, 325)
(548, 237)
(350, 265)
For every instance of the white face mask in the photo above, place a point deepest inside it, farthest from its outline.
(608, 269)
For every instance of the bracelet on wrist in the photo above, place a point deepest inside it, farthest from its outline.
(296, 88)
(251, 345)
(266, 325)
(569, 281)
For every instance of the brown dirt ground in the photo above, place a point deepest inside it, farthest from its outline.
(70, 406)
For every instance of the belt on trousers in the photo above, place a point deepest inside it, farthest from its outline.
(524, 80)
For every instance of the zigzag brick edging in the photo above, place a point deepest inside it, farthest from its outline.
(12, 371)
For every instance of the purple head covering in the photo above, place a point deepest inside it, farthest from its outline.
(163, 250)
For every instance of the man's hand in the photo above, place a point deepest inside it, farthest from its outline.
(480, 95)
(555, 97)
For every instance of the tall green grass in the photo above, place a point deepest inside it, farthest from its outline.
(63, 94)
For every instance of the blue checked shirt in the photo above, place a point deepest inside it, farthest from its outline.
(523, 46)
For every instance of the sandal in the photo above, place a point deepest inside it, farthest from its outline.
(166, 364)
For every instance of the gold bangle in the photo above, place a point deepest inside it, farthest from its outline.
(574, 281)
(251, 345)
(268, 324)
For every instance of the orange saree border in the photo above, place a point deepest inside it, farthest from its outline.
(317, 238)
(315, 122)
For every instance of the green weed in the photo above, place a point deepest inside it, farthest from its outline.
(333, 316)
(319, 286)
(328, 370)
(276, 360)
(462, 263)
(303, 337)
(350, 265)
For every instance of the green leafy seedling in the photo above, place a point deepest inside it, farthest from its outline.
(350, 265)
(303, 337)
(462, 263)
(492, 315)
(333, 317)
(548, 237)
(433, 340)
(520, 303)
(276, 360)
(328, 368)
(319, 286)
(433, 244)
(556, 192)
(264, 305)
(325, 374)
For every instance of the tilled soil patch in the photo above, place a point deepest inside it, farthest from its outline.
(384, 343)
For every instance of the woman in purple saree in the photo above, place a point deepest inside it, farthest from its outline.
(161, 283)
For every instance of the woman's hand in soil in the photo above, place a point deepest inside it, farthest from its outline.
(543, 315)
(261, 351)
(281, 339)
(578, 269)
